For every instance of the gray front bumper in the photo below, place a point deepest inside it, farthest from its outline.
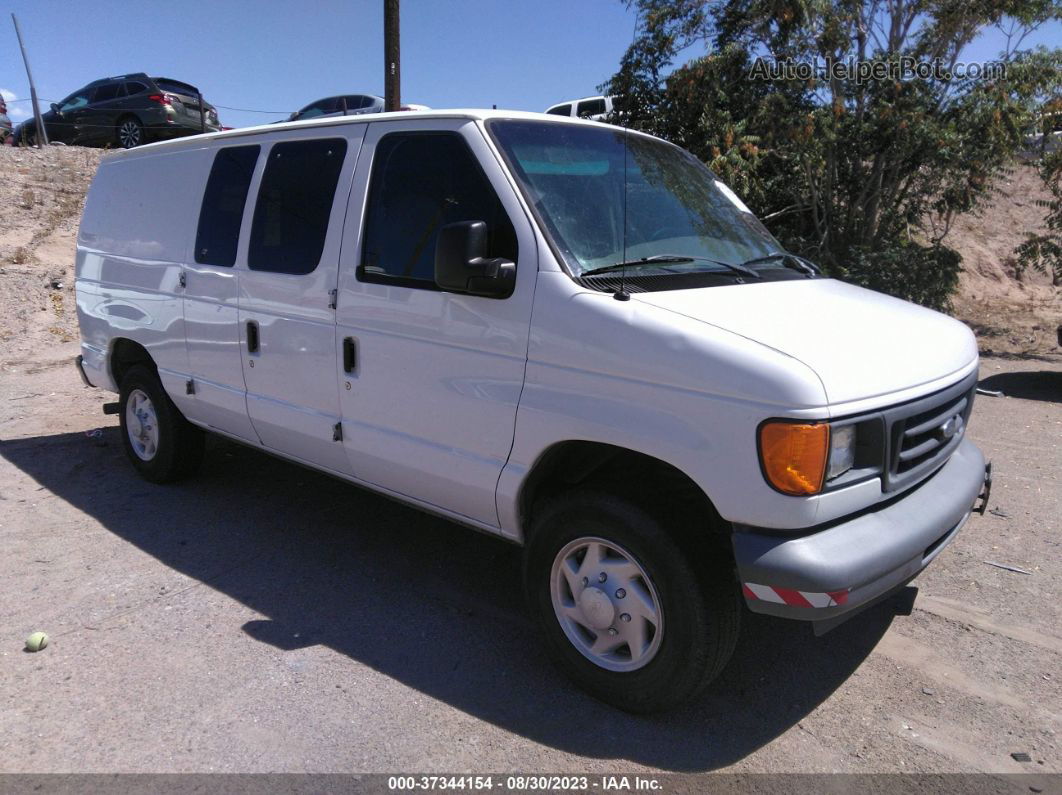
(824, 574)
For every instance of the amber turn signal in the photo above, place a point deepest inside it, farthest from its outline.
(794, 455)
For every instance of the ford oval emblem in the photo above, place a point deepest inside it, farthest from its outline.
(951, 427)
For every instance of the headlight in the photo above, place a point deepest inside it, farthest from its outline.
(793, 455)
(842, 451)
(799, 457)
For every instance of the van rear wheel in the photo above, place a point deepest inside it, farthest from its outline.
(628, 612)
(162, 445)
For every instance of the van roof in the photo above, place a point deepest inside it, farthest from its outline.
(193, 141)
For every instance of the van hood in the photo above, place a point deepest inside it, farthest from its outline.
(862, 344)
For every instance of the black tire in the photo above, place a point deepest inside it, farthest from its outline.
(129, 132)
(696, 588)
(178, 451)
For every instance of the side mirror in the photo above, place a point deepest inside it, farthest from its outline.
(56, 110)
(461, 265)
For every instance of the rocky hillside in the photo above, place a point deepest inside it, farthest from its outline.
(42, 193)
(1009, 314)
(41, 196)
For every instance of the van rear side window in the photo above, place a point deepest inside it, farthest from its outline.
(222, 211)
(294, 203)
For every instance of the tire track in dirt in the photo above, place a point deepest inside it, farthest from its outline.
(909, 652)
(971, 616)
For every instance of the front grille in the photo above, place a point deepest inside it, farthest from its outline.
(924, 433)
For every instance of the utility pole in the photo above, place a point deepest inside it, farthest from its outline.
(392, 57)
(42, 134)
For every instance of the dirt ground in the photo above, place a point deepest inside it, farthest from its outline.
(262, 617)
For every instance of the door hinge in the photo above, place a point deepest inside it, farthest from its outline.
(337, 432)
(332, 295)
(182, 280)
(189, 387)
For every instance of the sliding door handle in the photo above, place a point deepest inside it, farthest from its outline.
(350, 355)
(252, 336)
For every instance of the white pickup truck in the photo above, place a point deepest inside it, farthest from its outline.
(553, 330)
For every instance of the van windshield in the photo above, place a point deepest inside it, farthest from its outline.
(583, 180)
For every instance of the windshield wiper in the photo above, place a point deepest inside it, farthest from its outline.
(669, 258)
(790, 261)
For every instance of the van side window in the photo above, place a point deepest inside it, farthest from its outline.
(420, 183)
(560, 110)
(221, 213)
(294, 204)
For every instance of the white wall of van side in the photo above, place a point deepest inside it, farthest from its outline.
(135, 234)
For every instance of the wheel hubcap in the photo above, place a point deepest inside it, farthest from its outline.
(141, 425)
(606, 604)
(596, 608)
(129, 133)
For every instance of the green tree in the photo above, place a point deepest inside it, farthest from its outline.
(1042, 251)
(862, 171)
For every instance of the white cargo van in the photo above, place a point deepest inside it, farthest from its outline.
(548, 329)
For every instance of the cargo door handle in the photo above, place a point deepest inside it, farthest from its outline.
(252, 336)
(350, 354)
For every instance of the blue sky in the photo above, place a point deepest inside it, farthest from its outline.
(272, 55)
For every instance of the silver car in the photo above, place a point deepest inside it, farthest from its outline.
(345, 105)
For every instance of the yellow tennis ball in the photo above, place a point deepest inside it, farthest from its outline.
(36, 641)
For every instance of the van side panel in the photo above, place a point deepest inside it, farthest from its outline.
(130, 249)
(608, 371)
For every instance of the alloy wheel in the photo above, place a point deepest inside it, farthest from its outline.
(129, 134)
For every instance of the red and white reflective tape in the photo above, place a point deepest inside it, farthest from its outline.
(793, 598)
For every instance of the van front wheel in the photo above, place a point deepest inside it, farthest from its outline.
(630, 614)
(160, 442)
